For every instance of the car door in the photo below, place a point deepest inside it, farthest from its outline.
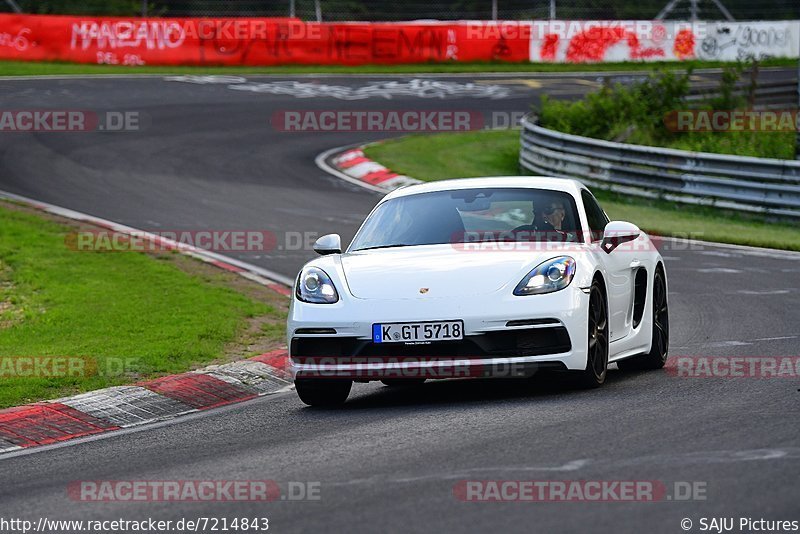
(619, 266)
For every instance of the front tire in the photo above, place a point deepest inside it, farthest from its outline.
(597, 349)
(323, 392)
(659, 346)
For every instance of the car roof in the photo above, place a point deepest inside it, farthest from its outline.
(566, 185)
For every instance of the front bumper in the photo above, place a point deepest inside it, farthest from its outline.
(504, 336)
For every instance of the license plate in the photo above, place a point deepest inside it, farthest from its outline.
(417, 332)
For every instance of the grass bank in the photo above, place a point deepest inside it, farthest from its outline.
(127, 315)
(495, 153)
(20, 68)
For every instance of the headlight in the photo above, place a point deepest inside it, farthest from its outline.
(315, 286)
(552, 275)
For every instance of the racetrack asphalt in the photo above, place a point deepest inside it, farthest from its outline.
(208, 158)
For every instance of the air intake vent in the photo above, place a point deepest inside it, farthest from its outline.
(315, 331)
(532, 322)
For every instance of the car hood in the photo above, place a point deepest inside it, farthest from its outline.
(439, 271)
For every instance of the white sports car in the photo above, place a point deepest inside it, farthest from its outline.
(478, 277)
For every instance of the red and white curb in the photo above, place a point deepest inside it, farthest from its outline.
(116, 408)
(352, 165)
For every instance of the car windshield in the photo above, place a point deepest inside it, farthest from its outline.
(471, 215)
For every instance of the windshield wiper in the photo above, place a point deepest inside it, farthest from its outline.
(396, 245)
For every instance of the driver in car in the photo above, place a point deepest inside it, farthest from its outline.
(540, 226)
(554, 214)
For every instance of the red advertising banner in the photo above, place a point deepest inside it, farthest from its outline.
(255, 41)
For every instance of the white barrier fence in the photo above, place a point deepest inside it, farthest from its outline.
(562, 41)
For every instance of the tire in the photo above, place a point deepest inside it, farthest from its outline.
(597, 349)
(659, 346)
(403, 382)
(323, 392)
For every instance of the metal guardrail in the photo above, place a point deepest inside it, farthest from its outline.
(767, 94)
(759, 185)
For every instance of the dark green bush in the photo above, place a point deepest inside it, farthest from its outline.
(82, 7)
(636, 114)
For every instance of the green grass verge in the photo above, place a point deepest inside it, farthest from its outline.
(132, 315)
(20, 68)
(495, 153)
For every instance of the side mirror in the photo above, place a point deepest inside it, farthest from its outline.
(617, 233)
(328, 244)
